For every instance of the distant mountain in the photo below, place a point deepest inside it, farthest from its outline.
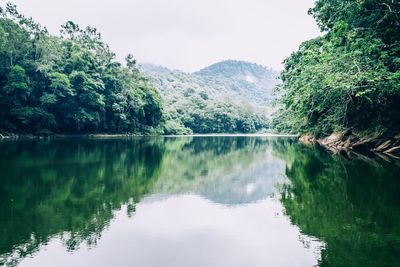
(249, 80)
(226, 97)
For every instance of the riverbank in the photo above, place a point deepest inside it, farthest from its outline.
(55, 136)
(348, 140)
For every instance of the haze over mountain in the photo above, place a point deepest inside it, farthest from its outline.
(248, 80)
(231, 96)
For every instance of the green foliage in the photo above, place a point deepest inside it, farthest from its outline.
(348, 78)
(17, 82)
(69, 84)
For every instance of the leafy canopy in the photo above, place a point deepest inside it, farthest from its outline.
(349, 77)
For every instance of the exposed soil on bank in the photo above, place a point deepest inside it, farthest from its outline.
(350, 141)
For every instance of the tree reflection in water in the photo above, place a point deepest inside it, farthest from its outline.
(352, 204)
(69, 188)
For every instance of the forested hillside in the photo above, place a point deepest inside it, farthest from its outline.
(227, 97)
(350, 77)
(68, 84)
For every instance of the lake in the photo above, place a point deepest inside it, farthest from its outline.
(195, 201)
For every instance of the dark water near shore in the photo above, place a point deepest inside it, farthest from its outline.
(195, 201)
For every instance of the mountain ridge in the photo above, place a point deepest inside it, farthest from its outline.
(231, 64)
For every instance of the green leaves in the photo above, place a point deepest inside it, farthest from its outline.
(345, 79)
(48, 99)
(60, 84)
(17, 81)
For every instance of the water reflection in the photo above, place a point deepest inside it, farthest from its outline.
(204, 201)
(350, 203)
(230, 171)
(69, 189)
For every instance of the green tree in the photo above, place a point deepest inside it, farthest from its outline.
(69, 84)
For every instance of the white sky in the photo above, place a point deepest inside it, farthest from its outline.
(187, 34)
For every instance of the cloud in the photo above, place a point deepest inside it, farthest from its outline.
(185, 34)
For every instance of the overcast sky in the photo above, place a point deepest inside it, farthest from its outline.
(187, 34)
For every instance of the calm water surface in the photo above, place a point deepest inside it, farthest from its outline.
(195, 201)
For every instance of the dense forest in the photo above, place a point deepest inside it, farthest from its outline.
(349, 78)
(227, 97)
(69, 84)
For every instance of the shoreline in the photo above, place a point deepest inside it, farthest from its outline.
(64, 136)
(106, 136)
(234, 135)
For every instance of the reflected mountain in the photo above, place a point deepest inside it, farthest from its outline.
(224, 170)
(350, 204)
